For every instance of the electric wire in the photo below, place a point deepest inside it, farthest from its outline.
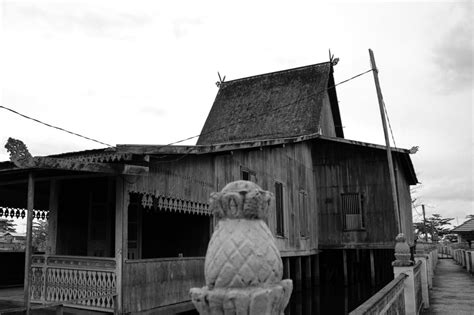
(195, 136)
(51, 126)
(389, 124)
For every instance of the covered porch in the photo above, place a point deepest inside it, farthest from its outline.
(109, 247)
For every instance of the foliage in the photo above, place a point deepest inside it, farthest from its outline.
(434, 227)
(470, 216)
(40, 235)
(7, 226)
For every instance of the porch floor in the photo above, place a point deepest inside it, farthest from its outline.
(11, 298)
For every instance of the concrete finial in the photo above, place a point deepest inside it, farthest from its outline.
(243, 267)
(402, 252)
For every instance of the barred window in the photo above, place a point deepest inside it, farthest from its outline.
(352, 211)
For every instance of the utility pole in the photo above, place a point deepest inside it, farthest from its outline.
(424, 223)
(387, 142)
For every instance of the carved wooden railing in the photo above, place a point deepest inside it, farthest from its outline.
(74, 280)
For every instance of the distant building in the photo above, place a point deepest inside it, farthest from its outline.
(465, 231)
(10, 241)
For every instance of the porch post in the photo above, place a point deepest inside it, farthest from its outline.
(121, 219)
(28, 249)
(53, 217)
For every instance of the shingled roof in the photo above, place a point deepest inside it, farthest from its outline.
(280, 104)
(467, 226)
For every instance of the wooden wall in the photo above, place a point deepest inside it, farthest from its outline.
(151, 283)
(343, 168)
(404, 200)
(194, 177)
(327, 121)
(289, 165)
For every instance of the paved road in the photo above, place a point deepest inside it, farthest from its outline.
(453, 290)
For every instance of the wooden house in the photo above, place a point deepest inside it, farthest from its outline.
(129, 225)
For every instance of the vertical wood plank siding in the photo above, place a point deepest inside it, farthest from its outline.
(195, 177)
(151, 283)
(340, 169)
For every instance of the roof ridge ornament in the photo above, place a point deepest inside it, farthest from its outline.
(221, 80)
(19, 154)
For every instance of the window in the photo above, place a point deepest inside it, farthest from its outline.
(280, 226)
(352, 216)
(303, 213)
(244, 174)
(247, 174)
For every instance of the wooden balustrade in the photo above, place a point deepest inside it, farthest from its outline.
(74, 280)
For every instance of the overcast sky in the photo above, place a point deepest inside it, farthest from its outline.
(144, 73)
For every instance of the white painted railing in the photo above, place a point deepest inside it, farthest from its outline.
(85, 282)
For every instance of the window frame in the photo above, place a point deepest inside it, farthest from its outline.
(353, 211)
(279, 209)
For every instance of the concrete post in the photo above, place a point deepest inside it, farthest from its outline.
(468, 261)
(424, 279)
(403, 264)
(424, 251)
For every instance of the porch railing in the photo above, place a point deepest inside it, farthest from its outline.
(74, 279)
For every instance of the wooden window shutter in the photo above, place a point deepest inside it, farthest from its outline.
(352, 216)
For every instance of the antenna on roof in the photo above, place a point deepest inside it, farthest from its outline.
(333, 60)
(221, 80)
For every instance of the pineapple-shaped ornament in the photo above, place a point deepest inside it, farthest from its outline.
(243, 267)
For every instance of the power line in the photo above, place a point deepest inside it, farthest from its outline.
(389, 125)
(202, 134)
(51, 126)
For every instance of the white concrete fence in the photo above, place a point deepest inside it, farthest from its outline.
(408, 293)
(464, 257)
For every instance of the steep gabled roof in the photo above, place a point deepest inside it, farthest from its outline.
(274, 105)
(467, 226)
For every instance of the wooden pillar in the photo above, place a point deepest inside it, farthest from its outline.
(344, 266)
(53, 217)
(315, 270)
(297, 278)
(307, 271)
(28, 249)
(372, 268)
(121, 230)
(393, 183)
(286, 268)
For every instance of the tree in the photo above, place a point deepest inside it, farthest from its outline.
(434, 227)
(470, 216)
(40, 235)
(7, 226)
